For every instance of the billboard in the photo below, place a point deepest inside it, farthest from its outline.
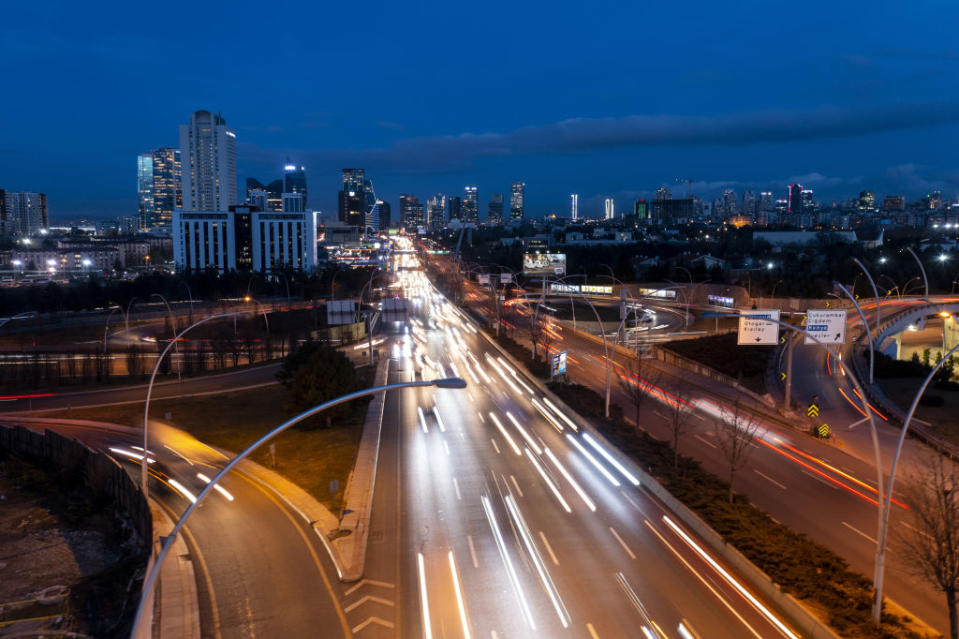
(557, 364)
(544, 263)
(586, 289)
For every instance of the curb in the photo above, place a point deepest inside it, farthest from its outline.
(178, 603)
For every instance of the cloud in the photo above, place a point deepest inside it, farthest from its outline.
(581, 135)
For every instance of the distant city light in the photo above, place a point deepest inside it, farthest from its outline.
(943, 257)
(289, 167)
(86, 261)
(51, 262)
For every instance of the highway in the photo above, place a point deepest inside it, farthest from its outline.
(271, 579)
(508, 522)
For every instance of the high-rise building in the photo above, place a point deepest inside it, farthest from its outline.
(730, 204)
(471, 205)
(352, 198)
(495, 211)
(610, 208)
(456, 208)
(574, 206)
(641, 211)
(662, 193)
(517, 195)
(894, 203)
(795, 199)
(867, 201)
(386, 215)
(669, 211)
(411, 212)
(808, 202)
(294, 180)
(436, 211)
(22, 213)
(294, 202)
(749, 205)
(158, 187)
(273, 190)
(208, 156)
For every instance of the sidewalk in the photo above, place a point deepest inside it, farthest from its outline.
(179, 610)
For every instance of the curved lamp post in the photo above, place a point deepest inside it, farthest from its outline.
(150, 581)
(176, 348)
(875, 293)
(922, 269)
(144, 486)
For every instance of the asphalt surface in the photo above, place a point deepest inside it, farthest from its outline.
(530, 555)
(261, 571)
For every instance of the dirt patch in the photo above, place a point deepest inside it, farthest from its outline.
(67, 563)
(944, 419)
(746, 364)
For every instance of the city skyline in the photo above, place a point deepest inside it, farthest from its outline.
(603, 121)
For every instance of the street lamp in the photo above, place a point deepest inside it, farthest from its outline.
(146, 406)
(922, 269)
(149, 583)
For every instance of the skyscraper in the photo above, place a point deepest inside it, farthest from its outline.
(456, 208)
(662, 193)
(436, 211)
(517, 196)
(352, 198)
(495, 211)
(294, 180)
(158, 187)
(795, 199)
(386, 215)
(808, 203)
(574, 206)
(730, 202)
(749, 205)
(867, 201)
(641, 211)
(273, 193)
(208, 155)
(471, 205)
(411, 212)
(610, 208)
(22, 214)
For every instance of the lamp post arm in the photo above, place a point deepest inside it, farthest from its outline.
(875, 293)
(865, 324)
(922, 269)
(150, 581)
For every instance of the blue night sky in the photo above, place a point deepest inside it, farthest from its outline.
(596, 98)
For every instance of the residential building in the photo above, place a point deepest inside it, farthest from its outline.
(22, 213)
(494, 213)
(158, 187)
(795, 199)
(610, 208)
(471, 205)
(436, 211)
(208, 156)
(411, 212)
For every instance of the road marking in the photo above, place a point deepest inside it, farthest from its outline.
(456, 487)
(447, 447)
(622, 543)
(592, 631)
(819, 479)
(357, 604)
(368, 582)
(427, 627)
(459, 596)
(519, 491)
(549, 548)
(372, 620)
(632, 502)
(768, 478)
(858, 532)
(916, 530)
(708, 443)
(422, 420)
(494, 445)
(661, 416)
(482, 419)
(469, 539)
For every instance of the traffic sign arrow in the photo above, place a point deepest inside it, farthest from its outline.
(782, 376)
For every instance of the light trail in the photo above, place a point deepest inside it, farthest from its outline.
(622, 469)
(602, 469)
(217, 487)
(510, 569)
(459, 596)
(522, 431)
(505, 434)
(549, 482)
(427, 626)
(573, 482)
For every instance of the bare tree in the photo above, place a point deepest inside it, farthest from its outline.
(735, 431)
(679, 411)
(637, 383)
(933, 550)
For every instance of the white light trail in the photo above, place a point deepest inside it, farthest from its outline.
(439, 421)
(729, 578)
(593, 461)
(130, 454)
(422, 420)
(217, 487)
(522, 431)
(427, 627)
(549, 482)
(459, 597)
(628, 475)
(546, 414)
(510, 570)
(573, 482)
(533, 552)
(183, 490)
(505, 434)
(561, 414)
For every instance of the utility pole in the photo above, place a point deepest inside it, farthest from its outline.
(789, 373)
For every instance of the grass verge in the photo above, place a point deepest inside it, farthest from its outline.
(720, 352)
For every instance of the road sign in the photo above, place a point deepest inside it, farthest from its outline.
(755, 330)
(824, 431)
(828, 326)
(483, 278)
(505, 278)
(558, 364)
(782, 376)
(813, 410)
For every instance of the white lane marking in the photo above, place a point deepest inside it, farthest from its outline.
(916, 530)
(427, 627)
(592, 631)
(704, 581)
(480, 415)
(622, 543)
(368, 582)
(456, 486)
(469, 539)
(372, 620)
(439, 420)
(858, 532)
(519, 491)
(459, 597)
(379, 600)
(708, 443)
(633, 503)
(422, 420)
(819, 479)
(768, 478)
(493, 441)
(549, 548)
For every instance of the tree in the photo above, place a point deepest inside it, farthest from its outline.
(933, 549)
(678, 413)
(735, 431)
(635, 383)
(314, 373)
